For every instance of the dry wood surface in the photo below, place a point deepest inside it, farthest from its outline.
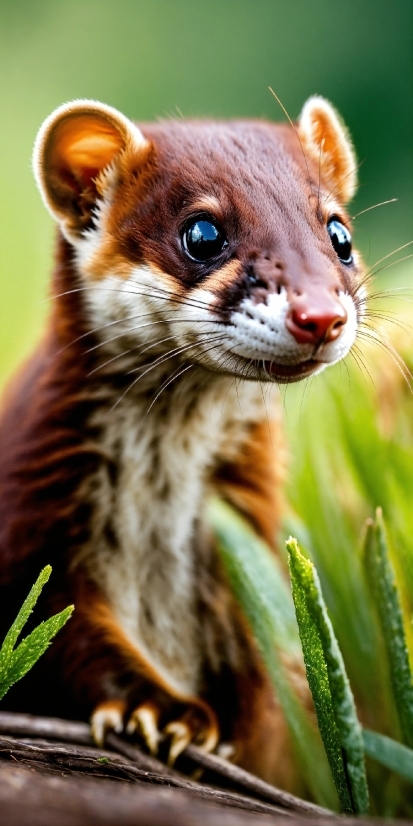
(53, 775)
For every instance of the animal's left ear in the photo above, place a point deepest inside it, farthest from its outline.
(326, 140)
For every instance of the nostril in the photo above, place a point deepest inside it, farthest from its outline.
(311, 326)
(335, 329)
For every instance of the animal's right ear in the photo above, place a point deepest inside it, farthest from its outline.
(76, 150)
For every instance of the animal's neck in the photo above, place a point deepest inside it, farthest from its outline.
(167, 439)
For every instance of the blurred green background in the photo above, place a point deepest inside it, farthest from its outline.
(214, 58)
(349, 436)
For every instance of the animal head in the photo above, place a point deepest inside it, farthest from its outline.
(224, 243)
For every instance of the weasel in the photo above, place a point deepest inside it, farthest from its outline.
(196, 262)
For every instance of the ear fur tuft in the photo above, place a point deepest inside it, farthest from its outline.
(74, 146)
(326, 139)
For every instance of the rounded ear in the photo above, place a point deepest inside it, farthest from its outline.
(75, 145)
(326, 140)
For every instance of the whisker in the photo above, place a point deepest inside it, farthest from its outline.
(370, 334)
(355, 359)
(151, 324)
(360, 356)
(372, 273)
(367, 331)
(111, 324)
(389, 254)
(174, 376)
(392, 264)
(140, 348)
(159, 293)
(305, 387)
(296, 132)
(177, 350)
(382, 203)
(172, 299)
(392, 293)
(178, 372)
(157, 363)
(344, 364)
(407, 328)
(335, 192)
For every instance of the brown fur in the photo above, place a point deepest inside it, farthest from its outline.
(254, 179)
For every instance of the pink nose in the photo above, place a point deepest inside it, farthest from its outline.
(316, 324)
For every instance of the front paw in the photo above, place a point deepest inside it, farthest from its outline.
(197, 724)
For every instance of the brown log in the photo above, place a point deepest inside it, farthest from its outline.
(51, 728)
(24, 724)
(52, 782)
(54, 758)
(29, 798)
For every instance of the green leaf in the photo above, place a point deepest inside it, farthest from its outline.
(31, 648)
(262, 592)
(21, 619)
(16, 662)
(327, 678)
(389, 753)
(381, 578)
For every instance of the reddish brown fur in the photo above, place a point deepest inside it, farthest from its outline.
(252, 485)
(45, 459)
(256, 179)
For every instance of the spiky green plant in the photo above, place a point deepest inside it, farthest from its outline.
(261, 590)
(15, 662)
(333, 699)
(259, 586)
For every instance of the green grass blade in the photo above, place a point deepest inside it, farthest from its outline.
(31, 648)
(381, 577)
(21, 619)
(332, 695)
(389, 753)
(261, 590)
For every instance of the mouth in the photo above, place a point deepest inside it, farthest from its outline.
(289, 372)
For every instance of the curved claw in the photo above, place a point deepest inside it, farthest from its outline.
(181, 735)
(209, 741)
(144, 720)
(190, 728)
(107, 716)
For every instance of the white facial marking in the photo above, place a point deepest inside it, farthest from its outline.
(143, 308)
(258, 331)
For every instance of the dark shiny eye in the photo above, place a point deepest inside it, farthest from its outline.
(340, 239)
(203, 239)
